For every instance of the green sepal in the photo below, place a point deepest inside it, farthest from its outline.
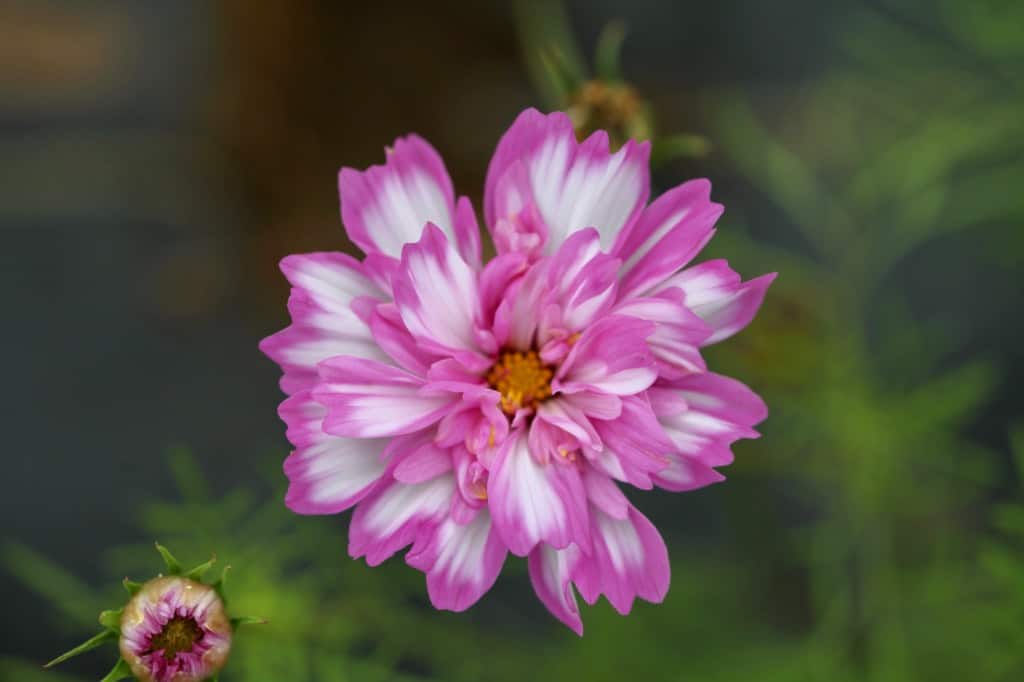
(608, 52)
(173, 565)
(247, 620)
(219, 585)
(672, 147)
(131, 586)
(87, 645)
(112, 619)
(197, 572)
(121, 671)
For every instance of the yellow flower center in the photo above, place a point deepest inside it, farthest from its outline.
(521, 378)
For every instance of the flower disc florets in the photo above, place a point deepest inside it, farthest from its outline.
(522, 380)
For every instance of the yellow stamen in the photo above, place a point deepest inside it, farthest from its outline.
(521, 378)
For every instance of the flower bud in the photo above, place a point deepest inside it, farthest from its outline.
(175, 630)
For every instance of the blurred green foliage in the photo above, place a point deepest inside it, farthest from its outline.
(866, 537)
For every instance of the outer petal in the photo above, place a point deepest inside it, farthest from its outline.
(532, 502)
(386, 207)
(604, 494)
(550, 573)
(714, 291)
(677, 336)
(332, 280)
(461, 561)
(436, 294)
(668, 234)
(717, 412)
(391, 516)
(572, 185)
(324, 324)
(425, 462)
(367, 399)
(467, 232)
(629, 560)
(395, 340)
(326, 474)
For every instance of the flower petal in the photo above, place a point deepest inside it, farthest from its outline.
(573, 185)
(324, 324)
(523, 301)
(436, 294)
(367, 399)
(385, 207)
(422, 464)
(629, 560)
(718, 411)
(678, 333)
(533, 502)
(612, 357)
(714, 291)
(635, 445)
(550, 573)
(467, 232)
(461, 561)
(326, 474)
(392, 515)
(582, 280)
(668, 234)
(394, 339)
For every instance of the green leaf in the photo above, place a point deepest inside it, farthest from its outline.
(173, 566)
(247, 620)
(121, 671)
(197, 572)
(74, 599)
(112, 619)
(88, 645)
(131, 586)
(607, 55)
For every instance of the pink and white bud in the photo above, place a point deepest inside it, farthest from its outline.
(175, 630)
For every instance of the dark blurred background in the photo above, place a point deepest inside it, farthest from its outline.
(159, 158)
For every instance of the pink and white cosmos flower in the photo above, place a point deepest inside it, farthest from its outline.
(471, 410)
